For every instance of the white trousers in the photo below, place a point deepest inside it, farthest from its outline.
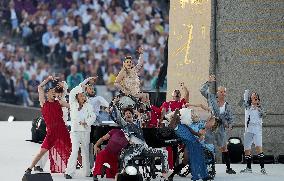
(78, 138)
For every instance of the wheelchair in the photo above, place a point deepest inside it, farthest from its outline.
(147, 163)
(129, 101)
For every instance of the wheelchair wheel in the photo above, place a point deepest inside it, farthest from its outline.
(211, 170)
(185, 171)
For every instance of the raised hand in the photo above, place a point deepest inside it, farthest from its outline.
(93, 80)
(49, 78)
(96, 150)
(212, 78)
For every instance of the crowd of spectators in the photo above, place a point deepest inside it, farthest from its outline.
(78, 39)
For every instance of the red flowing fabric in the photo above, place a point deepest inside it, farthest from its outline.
(155, 117)
(57, 139)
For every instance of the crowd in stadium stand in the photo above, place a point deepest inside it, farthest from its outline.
(78, 39)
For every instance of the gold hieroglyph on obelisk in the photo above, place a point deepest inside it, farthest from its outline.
(189, 46)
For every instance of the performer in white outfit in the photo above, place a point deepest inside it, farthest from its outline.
(253, 129)
(82, 117)
(97, 102)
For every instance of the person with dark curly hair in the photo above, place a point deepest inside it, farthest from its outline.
(253, 129)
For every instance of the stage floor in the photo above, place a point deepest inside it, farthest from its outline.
(16, 154)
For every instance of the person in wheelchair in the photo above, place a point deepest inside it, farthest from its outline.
(191, 139)
(128, 81)
(138, 145)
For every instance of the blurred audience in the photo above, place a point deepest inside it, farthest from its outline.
(79, 39)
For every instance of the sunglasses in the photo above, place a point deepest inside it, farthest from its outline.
(128, 61)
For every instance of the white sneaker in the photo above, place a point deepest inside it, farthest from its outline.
(246, 170)
(263, 171)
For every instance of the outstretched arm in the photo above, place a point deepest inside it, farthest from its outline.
(246, 98)
(204, 90)
(41, 90)
(64, 104)
(99, 142)
(186, 92)
(140, 60)
(92, 80)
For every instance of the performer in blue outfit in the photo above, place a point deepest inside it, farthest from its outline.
(193, 146)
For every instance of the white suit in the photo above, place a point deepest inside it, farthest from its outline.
(80, 134)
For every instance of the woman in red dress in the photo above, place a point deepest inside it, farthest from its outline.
(57, 140)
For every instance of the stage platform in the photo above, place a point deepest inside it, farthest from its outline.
(16, 154)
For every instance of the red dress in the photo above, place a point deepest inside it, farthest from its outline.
(57, 139)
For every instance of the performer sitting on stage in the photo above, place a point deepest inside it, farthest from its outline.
(138, 145)
(82, 118)
(253, 129)
(57, 140)
(193, 146)
(117, 141)
(128, 81)
(223, 118)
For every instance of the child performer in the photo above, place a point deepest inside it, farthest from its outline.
(253, 129)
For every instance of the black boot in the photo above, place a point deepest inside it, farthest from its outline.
(177, 169)
(38, 168)
(67, 176)
(227, 161)
(28, 171)
(95, 178)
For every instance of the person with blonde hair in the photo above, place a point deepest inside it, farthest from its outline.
(223, 114)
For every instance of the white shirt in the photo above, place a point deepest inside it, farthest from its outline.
(13, 14)
(86, 18)
(84, 115)
(97, 102)
(222, 108)
(254, 124)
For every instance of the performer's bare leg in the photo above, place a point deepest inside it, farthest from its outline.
(38, 157)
